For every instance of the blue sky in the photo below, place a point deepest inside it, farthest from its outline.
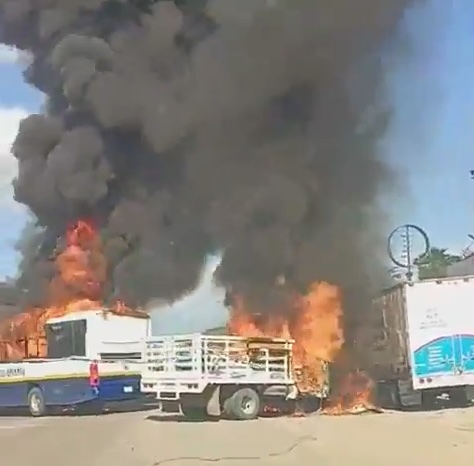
(430, 139)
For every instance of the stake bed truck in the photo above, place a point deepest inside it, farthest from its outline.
(213, 375)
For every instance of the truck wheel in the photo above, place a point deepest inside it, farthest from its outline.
(36, 404)
(194, 413)
(227, 408)
(245, 404)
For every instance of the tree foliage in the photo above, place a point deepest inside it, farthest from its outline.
(435, 263)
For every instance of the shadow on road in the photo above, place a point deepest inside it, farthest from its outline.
(88, 410)
(179, 418)
(440, 405)
(305, 407)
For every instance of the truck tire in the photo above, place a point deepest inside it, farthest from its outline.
(245, 404)
(36, 404)
(227, 408)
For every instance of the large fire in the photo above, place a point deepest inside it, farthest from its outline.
(316, 325)
(316, 322)
(77, 286)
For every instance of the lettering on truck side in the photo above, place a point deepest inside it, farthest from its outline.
(12, 372)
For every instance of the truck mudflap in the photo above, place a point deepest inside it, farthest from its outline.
(293, 393)
(213, 407)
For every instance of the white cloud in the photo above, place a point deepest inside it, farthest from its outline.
(13, 56)
(9, 121)
(8, 54)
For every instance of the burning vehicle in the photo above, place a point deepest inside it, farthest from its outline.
(263, 366)
(76, 352)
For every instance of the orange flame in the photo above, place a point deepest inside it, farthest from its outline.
(353, 395)
(81, 266)
(316, 325)
(77, 286)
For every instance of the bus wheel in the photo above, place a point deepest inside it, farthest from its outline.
(36, 404)
(245, 404)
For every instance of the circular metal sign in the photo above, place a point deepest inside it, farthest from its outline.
(406, 243)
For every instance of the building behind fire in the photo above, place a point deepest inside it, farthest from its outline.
(462, 268)
(9, 299)
(217, 331)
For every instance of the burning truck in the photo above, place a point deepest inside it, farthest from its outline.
(266, 363)
(238, 377)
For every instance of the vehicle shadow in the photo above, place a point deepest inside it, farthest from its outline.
(88, 410)
(110, 408)
(178, 418)
(304, 407)
(432, 407)
(388, 398)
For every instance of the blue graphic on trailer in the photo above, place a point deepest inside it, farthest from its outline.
(466, 344)
(452, 354)
(435, 357)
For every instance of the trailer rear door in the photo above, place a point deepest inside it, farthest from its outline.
(440, 317)
(464, 314)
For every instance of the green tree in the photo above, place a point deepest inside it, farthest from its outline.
(435, 263)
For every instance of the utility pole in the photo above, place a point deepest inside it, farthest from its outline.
(471, 237)
(407, 245)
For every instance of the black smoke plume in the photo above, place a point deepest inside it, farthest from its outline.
(246, 127)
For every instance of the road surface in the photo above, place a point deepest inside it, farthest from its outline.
(147, 439)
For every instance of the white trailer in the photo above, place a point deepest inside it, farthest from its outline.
(425, 349)
(211, 375)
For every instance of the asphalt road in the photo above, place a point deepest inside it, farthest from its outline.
(148, 439)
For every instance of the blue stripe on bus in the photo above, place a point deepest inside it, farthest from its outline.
(71, 391)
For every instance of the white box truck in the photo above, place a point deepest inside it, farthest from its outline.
(422, 341)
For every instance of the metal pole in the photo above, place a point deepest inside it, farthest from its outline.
(408, 252)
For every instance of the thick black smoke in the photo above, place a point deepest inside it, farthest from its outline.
(189, 127)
